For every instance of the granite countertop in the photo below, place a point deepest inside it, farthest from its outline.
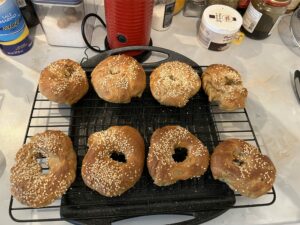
(272, 106)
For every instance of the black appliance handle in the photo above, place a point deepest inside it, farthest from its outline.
(199, 217)
(91, 63)
(83, 30)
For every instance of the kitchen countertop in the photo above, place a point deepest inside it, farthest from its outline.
(272, 107)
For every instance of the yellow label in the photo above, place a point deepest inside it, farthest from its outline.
(19, 39)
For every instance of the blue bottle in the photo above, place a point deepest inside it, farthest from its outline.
(12, 23)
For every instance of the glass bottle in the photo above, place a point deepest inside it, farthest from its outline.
(231, 3)
(162, 14)
(262, 16)
(194, 8)
(28, 12)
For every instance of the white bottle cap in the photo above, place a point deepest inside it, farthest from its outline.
(222, 19)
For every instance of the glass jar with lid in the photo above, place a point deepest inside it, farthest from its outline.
(231, 3)
(262, 16)
(162, 14)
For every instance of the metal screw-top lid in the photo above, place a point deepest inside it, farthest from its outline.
(277, 3)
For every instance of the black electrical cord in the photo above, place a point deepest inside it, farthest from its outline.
(83, 30)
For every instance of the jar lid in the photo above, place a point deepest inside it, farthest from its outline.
(277, 3)
(222, 19)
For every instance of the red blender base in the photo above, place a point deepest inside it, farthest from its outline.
(140, 56)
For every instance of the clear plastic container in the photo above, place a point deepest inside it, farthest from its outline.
(61, 21)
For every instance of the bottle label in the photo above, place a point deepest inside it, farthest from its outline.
(21, 3)
(169, 8)
(12, 23)
(251, 18)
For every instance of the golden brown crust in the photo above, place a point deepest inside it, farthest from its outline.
(243, 168)
(28, 185)
(223, 84)
(105, 175)
(118, 78)
(161, 165)
(174, 83)
(63, 81)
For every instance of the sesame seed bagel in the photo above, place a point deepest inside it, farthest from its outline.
(243, 168)
(111, 177)
(28, 183)
(118, 78)
(223, 84)
(161, 165)
(63, 81)
(174, 83)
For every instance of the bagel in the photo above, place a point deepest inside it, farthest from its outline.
(63, 81)
(104, 173)
(243, 168)
(163, 168)
(223, 84)
(119, 78)
(174, 83)
(29, 185)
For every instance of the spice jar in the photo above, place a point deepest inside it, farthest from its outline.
(231, 3)
(262, 16)
(162, 14)
(194, 8)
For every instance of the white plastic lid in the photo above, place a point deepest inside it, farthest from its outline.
(222, 19)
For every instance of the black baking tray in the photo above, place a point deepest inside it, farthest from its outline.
(204, 197)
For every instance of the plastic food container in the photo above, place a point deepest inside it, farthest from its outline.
(218, 27)
(61, 20)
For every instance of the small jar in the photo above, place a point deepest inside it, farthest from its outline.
(162, 14)
(219, 25)
(262, 16)
(194, 8)
(231, 3)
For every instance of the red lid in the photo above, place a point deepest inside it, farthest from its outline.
(277, 3)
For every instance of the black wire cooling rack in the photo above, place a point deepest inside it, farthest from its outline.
(204, 198)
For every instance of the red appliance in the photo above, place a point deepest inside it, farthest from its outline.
(128, 22)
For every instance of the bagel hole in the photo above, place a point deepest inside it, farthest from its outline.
(118, 156)
(43, 162)
(180, 154)
(114, 70)
(69, 71)
(238, 162)
(172, 77)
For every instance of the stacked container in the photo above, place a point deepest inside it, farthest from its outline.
(61, 20)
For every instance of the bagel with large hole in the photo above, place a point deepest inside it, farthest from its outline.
(163, 166)
(114, 161)
(30, 185)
